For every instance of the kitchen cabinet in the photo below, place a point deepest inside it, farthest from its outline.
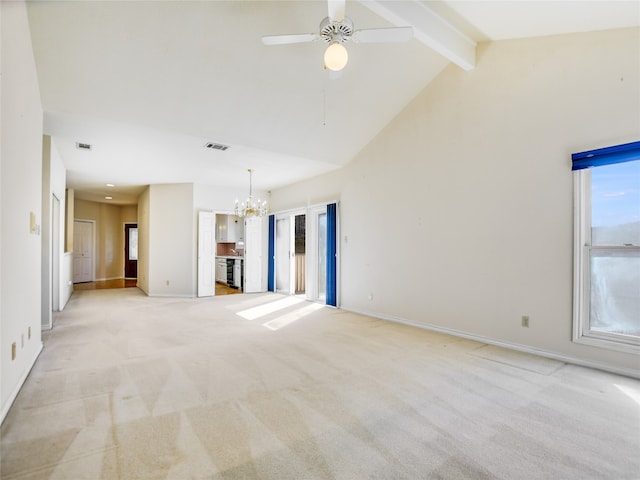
(221, 270)
(229, 229)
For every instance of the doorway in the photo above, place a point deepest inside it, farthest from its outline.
(323, 274)
(283, 255)
(290, 254)
(130, 251)
(300, 254)
(312, 236)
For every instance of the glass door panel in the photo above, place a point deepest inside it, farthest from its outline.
(283, 249)
(322, 256)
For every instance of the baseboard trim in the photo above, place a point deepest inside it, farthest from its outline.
(627, 372)
(16, 391)
(169, 295)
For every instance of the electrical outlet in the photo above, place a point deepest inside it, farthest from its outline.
(525, 321)
(370, 295)
(167, 283)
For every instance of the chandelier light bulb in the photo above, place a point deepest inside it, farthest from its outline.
(336, 56)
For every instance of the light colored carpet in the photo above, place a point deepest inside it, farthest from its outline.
(270, 387)
(533, 363)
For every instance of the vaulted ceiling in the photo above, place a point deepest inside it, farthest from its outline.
(149, 83)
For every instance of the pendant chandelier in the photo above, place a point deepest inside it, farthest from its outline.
(251, 208)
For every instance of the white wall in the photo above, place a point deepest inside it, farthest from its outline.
(458, 215)
(58, 188)
(46, 264)
(20, 194)
(171, 266)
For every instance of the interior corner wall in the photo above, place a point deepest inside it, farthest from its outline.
(459, 214)
(171, 241)
(20, 197)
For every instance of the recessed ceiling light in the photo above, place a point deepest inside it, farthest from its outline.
(108, 198)
(110, 185)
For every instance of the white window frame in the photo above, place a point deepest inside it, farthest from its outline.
(582, 332)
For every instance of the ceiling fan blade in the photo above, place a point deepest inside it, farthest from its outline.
(287, 39)
(383, 35)
(336, 10)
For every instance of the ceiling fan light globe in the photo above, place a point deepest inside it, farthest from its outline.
(336, 57)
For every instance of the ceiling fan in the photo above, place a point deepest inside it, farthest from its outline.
(337, 29)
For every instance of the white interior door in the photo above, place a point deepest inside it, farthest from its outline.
(283, 255)
(317, 254)
(322, 256)
(254, 255)
(206, 254)
(82, 251)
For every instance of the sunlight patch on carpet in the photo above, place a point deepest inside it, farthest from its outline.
(629, 392)
(269, 308)
(288, 318)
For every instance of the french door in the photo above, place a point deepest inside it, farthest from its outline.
(289, 253)
(303, 253)
(130, 250)
(283, 255)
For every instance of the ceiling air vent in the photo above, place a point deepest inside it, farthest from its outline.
(83, 146)
(216, 146)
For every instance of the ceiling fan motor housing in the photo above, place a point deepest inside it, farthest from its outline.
(336, 31)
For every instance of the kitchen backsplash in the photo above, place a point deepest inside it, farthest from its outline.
(226, 249)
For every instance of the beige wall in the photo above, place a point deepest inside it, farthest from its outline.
(459, 214)
(172, 241)
(110, 220)
(69, 214)
(129, 214)
(143, 241)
